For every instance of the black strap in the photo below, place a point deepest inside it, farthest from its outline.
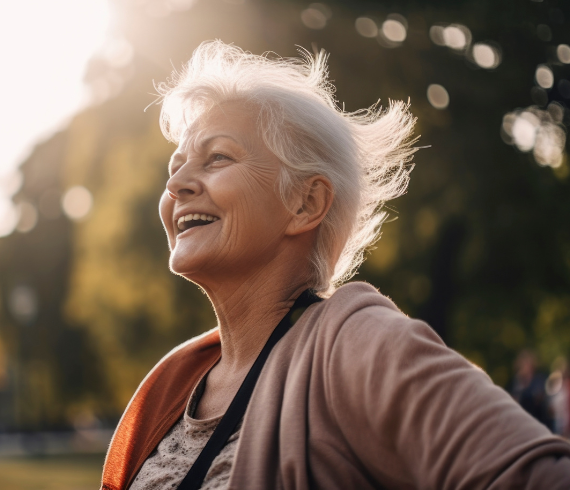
(195, 477)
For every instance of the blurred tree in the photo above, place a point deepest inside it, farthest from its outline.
(480, 249)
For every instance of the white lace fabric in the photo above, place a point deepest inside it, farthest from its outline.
(168, 464)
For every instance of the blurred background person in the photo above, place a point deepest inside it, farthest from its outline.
(558, 391)
(528, 388)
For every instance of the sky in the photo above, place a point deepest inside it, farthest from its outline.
(44, 48)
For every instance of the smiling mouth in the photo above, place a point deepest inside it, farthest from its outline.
(192, 220)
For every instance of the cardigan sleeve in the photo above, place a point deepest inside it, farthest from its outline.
(418, 414)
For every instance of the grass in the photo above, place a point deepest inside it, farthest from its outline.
(74, 472)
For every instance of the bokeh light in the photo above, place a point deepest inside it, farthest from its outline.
(556, 111)
(436, 34)
(105, 87)
(563, 53)
(366, 27)
(537, 130)
(23, 304)
(8, 217)
(438, 96)
(524, 131)
(393, 32)
(10, 182)
(27, 217)
(77, 202)
(316, 16)
(118, 53)
(486, 56)
(549, 145)
(457, 36)
(544, 76)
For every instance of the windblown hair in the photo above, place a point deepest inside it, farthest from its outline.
(365, 154)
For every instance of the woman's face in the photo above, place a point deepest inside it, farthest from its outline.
(223, 172)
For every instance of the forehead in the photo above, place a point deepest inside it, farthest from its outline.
(234, 119)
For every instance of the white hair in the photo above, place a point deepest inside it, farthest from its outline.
(365, 154)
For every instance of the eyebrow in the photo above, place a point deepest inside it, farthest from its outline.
(204, 142)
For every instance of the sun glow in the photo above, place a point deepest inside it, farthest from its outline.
(44, 47)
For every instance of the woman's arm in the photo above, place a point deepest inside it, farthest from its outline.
(417, 412)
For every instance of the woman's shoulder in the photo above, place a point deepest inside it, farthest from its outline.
(157, 403)
(358, 307)
(357, 295)
(358, 323)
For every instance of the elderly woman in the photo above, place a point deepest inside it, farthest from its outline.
(274, 193)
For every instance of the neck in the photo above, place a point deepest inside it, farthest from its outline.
(249, 308)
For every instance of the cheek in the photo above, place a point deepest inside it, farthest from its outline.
(259, 213)
(254, 186)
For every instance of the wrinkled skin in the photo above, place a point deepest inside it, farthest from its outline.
(254, 260)
(222, 168)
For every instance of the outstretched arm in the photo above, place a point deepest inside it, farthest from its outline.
(417, 413)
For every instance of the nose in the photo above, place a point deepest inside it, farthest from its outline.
(183, 185)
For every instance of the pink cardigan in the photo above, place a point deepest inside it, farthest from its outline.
(356, 395)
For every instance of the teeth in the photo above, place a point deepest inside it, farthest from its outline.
(190, 217)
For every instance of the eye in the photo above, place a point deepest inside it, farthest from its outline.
(219, 158)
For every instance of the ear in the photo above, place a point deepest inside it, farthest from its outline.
(311, 205)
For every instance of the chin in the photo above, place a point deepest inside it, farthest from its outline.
(182, 264)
